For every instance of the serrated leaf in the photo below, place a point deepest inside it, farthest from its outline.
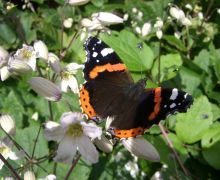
(211, 155)
(191, 126)
(211, 136)
(202, 60)
(126, 46)
(169, 64)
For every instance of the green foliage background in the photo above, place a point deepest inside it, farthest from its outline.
(191, 63)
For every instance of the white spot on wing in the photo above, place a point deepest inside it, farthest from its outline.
(174, 94)
(99, 42)
(185, 95)
(172, 105)
(165, 106)
(94, 54)
(97, 61)
(106, 51)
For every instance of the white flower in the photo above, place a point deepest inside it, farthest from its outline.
(134, 10)
(77, 2)
(159, 23)
(3, 64)
(29, 175)
(146, 29)
(35, 116)
(107, 18)
(7, 123)
(6, 152)
(73, 134)
(218, 10)
(3, 54)
(140, 147)
(200, 15)
(45, 88)
(103, 144)
(159, 34)
(41, 49)
(186, 22)
(177, 34)
(68, 79)
(26, 54)
(5, 74)
(67, 23)
(119, 156)
(125, 17)
(49, 177)
(54, 62)
(188, 6)
(85, 22)
(138, 30)
(177, 13)
(133, 168)
(140, 15)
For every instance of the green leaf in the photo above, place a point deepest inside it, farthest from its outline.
(191, 126)
(26, 137)
(215, 112)
(125, 46)
(214, 57)
(38, 1)
(169, 64)
(202, 60)
(189, 79)
(7, 35)
(211, 155)
(175, 42)
(211, 136)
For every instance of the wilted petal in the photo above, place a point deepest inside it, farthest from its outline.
(54, 62)
(29, 175)
(68, 118)
(66, 150)
(107, 18)
(45, 88)
(5, 74)
(53, 131)
(142, 148)
(41, 49)
(87, 149)
(91, 130)
(18, 66)
(103, 144)
(8, 124)
(77, 2)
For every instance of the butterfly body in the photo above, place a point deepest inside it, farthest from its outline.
(109, 91)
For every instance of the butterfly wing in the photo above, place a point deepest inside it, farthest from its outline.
(106, 77)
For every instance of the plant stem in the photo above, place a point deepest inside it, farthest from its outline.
(172, 148)
(35, 142)
(50, 110)
(9, 167)
(73, 165)
(159, 64)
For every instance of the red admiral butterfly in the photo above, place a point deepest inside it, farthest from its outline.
(109, 90)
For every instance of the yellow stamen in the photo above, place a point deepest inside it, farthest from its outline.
(75, 130)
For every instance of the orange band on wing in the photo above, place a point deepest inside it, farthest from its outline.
(107, 67)
(157, 101)
(129, 133)
(85, 104)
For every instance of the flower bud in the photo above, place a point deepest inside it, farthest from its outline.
(85, 22)
(46, 88)
(159, 34)
(29, 175)
(103, 144)
(142, 148)
(186, 22)
(77, 2)
(67, 23)
(41, 49)
(188, 6)
(54, 62)
(8, 124)
(146, 29)
(138, 30)
(107, 18)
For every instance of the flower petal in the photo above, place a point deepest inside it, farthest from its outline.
(53, 131)
(66, 150)
(107, 18)
(142, 148)
(4, 73)
(77, 2)
(73, 67)
(45, 88)
(13, 156)
(87, 149)
(103, 144)
(18, 66)
(29, 175)
(54, 62)
(8, 124)
(72, 82)
(64, 85)
(68, 118)
(41, 49)
(91, 130)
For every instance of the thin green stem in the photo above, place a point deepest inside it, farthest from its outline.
(159, 63)
(50, 110)
(9, 167)
(35, 142)
(72, 167)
